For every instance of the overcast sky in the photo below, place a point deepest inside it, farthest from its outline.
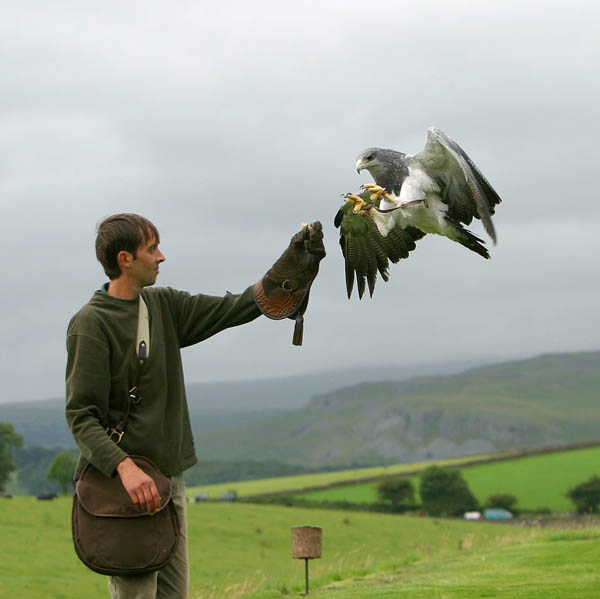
(228, 125)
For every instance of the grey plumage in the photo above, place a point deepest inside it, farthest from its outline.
(388, 167)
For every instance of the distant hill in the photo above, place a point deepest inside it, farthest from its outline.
(292, 392)
(215, 405)
(314, 421)
(548, 399)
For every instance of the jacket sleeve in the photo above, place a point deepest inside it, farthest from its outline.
(199, 317)
(88, 392)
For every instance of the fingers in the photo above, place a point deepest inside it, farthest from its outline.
(314, 241)
(313, 230)
(156, 498)
(139, 486)
(149, 498)
(298, 239)
(310, 239)
(308, 230)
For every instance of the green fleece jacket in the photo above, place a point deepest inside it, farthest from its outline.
(101, 367)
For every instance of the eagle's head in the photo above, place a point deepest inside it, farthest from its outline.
(384, 165)
(369, 159)
(377, 161)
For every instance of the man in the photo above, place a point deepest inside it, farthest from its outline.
(102, 368)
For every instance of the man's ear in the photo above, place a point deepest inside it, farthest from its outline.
(124, 260)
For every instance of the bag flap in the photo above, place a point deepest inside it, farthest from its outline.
(100, 495)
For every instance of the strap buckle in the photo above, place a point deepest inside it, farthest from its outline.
(134, 396)
(116, 435)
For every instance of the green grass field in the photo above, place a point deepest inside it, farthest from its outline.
(323, 479)
(549, 565)
(537, 482)
(243, 550)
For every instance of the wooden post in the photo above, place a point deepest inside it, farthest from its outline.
(306, 544)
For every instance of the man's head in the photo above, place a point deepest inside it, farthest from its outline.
(122, 233)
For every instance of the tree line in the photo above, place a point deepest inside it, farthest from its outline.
(40, 470)
(444, 492)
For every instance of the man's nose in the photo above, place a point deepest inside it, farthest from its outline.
(161, 256)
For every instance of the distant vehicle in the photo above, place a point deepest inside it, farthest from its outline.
(497, 513)
(472, 515)
(6, 495)
(198, 497)
(46, 496)
(230, 496)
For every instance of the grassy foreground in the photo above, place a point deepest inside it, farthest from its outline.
(548, 565)
(242, 550)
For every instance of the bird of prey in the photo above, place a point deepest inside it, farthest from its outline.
(435, 191)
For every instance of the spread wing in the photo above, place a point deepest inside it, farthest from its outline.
(367, 252)
(463, 186)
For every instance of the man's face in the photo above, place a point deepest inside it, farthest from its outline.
(144, 267)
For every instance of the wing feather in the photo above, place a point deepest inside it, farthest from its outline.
(361, 266)
(371, 266)
(366, 252)
(380, 255)
(464, 188)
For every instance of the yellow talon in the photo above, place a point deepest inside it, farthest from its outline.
(359, 203)
(376, 191)
(309, 227)
(351, 197)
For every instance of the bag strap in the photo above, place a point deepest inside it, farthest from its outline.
(143, 331)
(142, 350)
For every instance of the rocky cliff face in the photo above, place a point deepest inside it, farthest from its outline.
(546, 400)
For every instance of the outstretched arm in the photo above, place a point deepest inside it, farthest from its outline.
(281, 293)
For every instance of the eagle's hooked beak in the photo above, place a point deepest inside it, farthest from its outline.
(359, 165)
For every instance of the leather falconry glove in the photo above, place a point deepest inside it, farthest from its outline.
(283, 291)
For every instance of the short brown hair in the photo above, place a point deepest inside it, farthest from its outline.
(121, 232)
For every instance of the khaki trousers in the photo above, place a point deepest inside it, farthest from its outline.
(173, 580)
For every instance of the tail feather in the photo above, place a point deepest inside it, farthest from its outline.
(472, 242)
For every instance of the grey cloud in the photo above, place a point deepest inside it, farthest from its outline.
(229, 125)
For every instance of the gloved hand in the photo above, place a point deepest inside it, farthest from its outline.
(283, 291)
(298, 265)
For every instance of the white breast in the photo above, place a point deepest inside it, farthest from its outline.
(429, 214)
(417, 185)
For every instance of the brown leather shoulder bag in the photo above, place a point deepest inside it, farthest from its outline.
(112, 535)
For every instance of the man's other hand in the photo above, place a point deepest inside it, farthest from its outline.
(139, 486)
